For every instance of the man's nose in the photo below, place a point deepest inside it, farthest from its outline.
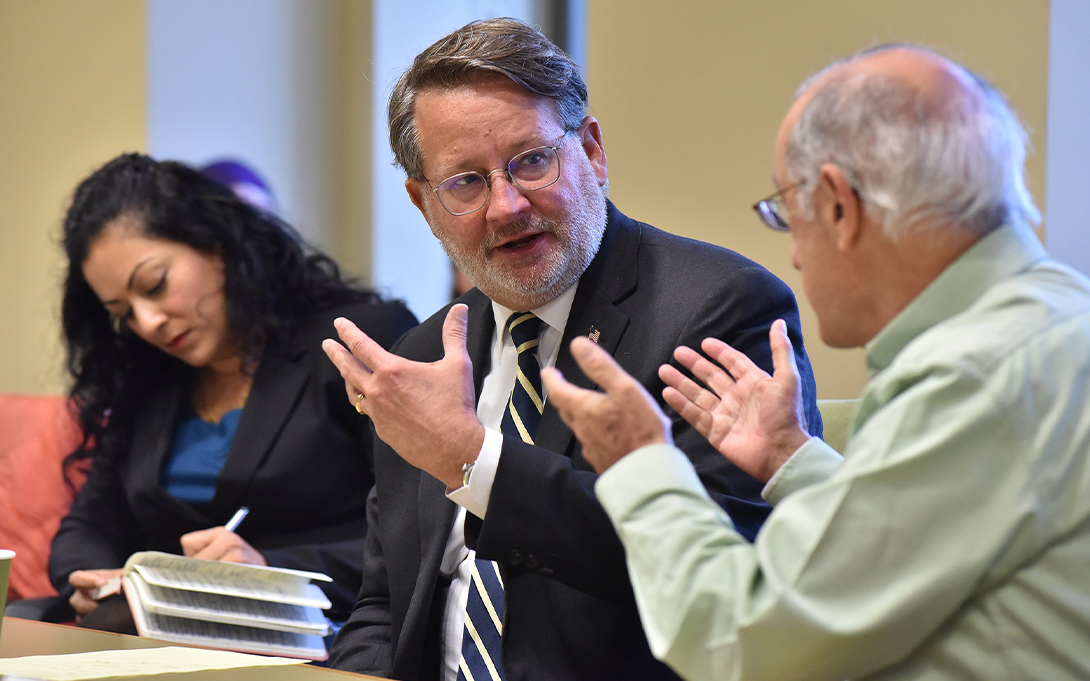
(506, 202)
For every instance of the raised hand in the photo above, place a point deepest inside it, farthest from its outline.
(425, 411)
(610, 424)
(753, 419)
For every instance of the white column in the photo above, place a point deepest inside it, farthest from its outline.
(243, 78)
(408, 262)
(1067, 219)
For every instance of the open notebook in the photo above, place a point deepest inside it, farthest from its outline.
(248, 608)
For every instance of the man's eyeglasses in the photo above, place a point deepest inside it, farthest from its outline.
(531, 170)
(771, 209)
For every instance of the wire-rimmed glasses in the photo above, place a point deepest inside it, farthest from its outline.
(530, 170)
(772, 208)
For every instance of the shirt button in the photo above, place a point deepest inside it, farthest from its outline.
(514, 557)
(531, 561)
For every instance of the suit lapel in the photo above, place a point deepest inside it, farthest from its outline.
(610, 277)
(482, 326)
(152, 438)
(277, 386)
(610, 322)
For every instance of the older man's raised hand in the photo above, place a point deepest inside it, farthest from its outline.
(753, 419)
(425, 411)
(610, 424)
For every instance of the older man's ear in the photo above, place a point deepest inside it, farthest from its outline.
(842, 207)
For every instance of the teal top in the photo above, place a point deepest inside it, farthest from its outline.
(197, 456)
(952, 541)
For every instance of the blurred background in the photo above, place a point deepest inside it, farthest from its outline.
(689, 94)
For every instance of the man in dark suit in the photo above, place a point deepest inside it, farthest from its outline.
(483, 504)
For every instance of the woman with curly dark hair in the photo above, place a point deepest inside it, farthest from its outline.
(193, 324)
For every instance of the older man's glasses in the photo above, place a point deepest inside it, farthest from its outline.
(772, 209)
(531, 170)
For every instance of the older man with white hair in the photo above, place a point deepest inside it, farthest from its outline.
(952, 540)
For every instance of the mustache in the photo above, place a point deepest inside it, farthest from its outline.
(532, 224)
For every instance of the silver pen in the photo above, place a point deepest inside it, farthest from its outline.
(237, 518)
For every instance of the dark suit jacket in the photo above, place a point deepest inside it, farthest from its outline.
(300, 459)
(569, 608)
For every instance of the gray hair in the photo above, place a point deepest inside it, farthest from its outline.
(915, 158)
(478, 51)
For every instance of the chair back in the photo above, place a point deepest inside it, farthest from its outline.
(836, 418)
(36, 433)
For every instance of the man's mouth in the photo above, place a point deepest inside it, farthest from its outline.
(519, 243)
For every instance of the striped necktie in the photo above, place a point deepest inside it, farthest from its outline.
(523, 412)
(484, 606)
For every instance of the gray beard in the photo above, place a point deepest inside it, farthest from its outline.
(578, 240)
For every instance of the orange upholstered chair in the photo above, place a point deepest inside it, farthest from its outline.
(36, 433)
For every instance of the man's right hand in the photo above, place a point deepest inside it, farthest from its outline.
(753, 419)
(426, 412)
(87, 582)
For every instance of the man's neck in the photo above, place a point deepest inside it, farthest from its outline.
(900, 270)
(554, 313)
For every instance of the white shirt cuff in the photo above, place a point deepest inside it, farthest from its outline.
(474, 496)
(813, 462)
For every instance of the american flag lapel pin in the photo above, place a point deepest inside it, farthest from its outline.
(594, 334)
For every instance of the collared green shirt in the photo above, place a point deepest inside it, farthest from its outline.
(952, 541)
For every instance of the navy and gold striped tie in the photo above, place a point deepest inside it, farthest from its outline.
(484, 607)
(523, 412)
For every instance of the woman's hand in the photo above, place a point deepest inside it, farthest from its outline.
(219, 543)
(87, 583)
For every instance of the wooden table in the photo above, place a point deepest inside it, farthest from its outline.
(25, 637)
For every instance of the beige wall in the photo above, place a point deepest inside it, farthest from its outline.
(71, 96)
(349, 34)
(690, 94)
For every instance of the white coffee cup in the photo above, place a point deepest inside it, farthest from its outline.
(5, 570)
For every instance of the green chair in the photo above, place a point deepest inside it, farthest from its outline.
(836, 417)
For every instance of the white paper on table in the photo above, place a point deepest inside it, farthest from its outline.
(145, 661)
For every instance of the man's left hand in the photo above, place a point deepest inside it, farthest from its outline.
(425, 411)
(610, 424)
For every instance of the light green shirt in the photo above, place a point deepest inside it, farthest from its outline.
(953, 539)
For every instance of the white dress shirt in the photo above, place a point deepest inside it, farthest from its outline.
(495, 393)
